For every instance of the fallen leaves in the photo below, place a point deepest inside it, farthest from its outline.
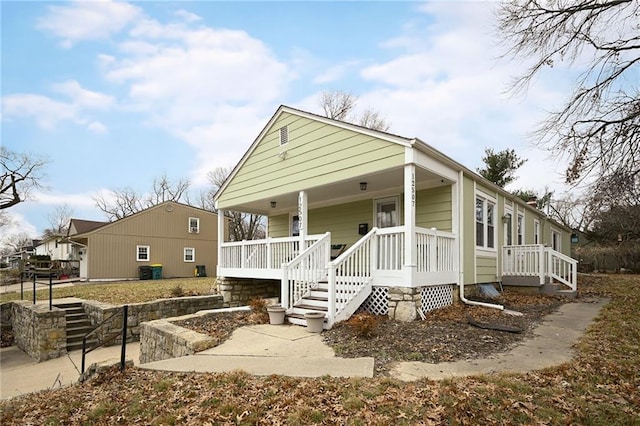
(601, 386)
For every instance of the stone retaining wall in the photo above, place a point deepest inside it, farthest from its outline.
(161, 339)
(239, 291)
(142, 312)
(38, 331)
(5, 316)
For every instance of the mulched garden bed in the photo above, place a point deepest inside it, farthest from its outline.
(444, 336)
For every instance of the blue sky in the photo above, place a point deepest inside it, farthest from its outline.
(116, 94)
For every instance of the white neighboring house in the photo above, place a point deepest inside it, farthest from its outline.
(54, 246)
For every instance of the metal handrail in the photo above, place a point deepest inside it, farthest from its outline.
(123, 351)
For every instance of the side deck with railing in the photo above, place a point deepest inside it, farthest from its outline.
(543, 263)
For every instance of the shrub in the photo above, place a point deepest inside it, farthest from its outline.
(259, 314)
(364, 324)
(177, 291)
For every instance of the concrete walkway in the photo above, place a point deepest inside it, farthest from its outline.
(269, 349)
(551, 346)
(292, 351)
(20, 374)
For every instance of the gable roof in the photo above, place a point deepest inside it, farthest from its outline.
(389, 137)
(81, 226)
(105, 225)
(386, 136)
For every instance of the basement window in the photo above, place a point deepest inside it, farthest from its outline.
(284, 135)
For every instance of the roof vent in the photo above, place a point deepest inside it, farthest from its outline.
(284, 135)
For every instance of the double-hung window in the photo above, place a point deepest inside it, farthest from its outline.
(536, 231)
(194, 225)
(485, 223)
(189, 254)
(520, 226)
(142, 253)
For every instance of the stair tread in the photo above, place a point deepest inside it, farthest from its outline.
(317, 298)
(311, 307)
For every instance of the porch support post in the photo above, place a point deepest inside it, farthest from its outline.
(302, 218)
(220, 239)
(542, 271)
(410, 249)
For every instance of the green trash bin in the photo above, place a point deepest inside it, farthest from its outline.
(156, 272)
(145, 272)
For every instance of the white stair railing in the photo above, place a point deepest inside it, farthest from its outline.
(349, 278)
(562, 268)
(303, 273)
(538, 260)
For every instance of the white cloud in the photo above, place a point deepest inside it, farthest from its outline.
(335, 72)
(187, 16)
(48, 112)
(87, 20)
(212, 88)
(83, 98)
(445, 87)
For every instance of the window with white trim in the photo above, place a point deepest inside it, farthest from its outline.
(194, 225)
(485, 223)
(508, 228)
(189, 254)
(142, 253)
(556, 239)
(536, 231)
(520, 229)
(284, 135)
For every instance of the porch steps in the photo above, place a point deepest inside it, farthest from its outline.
(316, 301)
(78, 325)
(558, 290)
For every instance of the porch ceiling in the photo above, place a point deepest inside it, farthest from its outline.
(385, 183)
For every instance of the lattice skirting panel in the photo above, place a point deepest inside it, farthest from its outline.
(435, 297)
(376, 303)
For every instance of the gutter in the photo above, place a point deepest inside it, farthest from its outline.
(461, 250)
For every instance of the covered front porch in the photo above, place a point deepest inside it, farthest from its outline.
(386, 229)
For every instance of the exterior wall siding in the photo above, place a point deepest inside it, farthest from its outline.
(469, 226)
(487, 269)
(433, 208)
(316, 154)
(112, 249)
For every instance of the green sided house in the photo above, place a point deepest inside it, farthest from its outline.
(363, 219)
(179, 237)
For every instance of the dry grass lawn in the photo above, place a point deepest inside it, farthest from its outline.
(601, 386)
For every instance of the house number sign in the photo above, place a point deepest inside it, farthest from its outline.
(413, 189)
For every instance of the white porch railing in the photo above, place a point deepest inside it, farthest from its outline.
(269, 253)
(303, 273)
(349, 278)
(436, 251)
(537, 260)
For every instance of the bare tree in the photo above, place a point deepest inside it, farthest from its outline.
(126, 201)
(59, 220)
(598, 128)
(340, 105)
(242, 226)
(15, 242)
(21, 173)
(122, 203)
(337, 104)
(165, 190)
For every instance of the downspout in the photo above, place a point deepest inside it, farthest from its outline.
(461, 249)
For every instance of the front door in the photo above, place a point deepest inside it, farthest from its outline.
(387, 214)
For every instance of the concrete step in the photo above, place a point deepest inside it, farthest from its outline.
(569, 294)
(72, 305)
